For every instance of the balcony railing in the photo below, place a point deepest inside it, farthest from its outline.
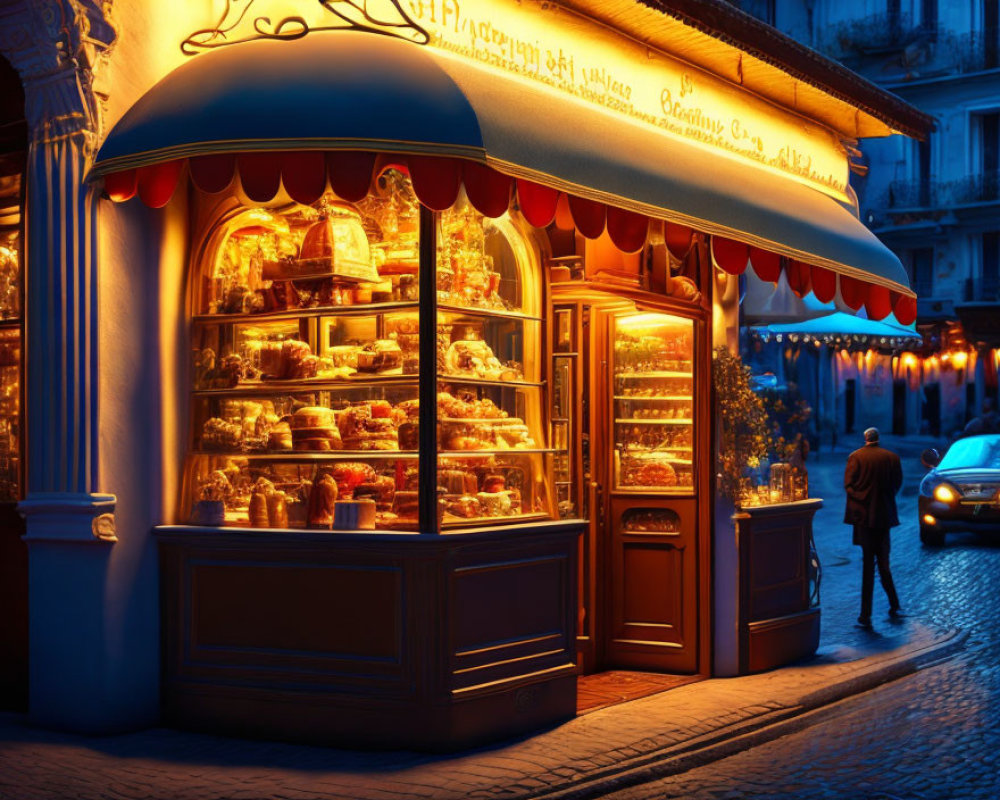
(923, 50)
(981, 188)
(971, 52)
(981, 289)
(875, 34)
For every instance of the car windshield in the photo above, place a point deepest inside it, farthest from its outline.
(976, 451)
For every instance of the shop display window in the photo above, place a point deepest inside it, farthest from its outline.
(494, 463)
(653, 403)
(306, 368)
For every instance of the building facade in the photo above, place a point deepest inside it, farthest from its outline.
(933, 202)
(389, 395)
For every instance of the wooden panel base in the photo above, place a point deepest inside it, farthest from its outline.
(375, 641)
(776, 623)
(775, 642)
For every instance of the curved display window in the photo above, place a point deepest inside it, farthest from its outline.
(306, 368)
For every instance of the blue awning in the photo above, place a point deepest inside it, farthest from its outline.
(348, 91)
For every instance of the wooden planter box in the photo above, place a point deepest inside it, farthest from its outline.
(777, 624)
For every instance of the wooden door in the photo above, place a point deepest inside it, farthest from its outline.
(654, 599)
(651, 520)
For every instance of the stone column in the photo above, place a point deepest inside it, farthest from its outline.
(55, 46)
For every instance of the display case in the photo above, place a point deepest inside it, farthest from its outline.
(653, 403)
(306, 369)
(494, 463)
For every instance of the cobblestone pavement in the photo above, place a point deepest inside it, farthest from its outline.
(685, 728)
(931, 736)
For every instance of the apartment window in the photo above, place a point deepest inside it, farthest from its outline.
(922, 271)
(987, 186)
(991, 23)
(990, 281)
(929, 14)
(924, 173)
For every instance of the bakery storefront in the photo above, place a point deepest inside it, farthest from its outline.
(409, 348)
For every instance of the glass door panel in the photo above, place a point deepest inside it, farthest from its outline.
(653, 403)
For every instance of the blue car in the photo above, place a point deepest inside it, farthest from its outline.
(961, 492)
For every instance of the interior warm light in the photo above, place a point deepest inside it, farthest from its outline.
(909, 360)
(959, 359)
(945, 494)
(929, 520)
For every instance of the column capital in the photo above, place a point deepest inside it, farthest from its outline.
(69, 517)
(57, 46)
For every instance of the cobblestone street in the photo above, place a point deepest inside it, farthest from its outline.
(932, 736)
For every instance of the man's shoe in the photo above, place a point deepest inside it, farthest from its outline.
(864, 624)
(895, 613)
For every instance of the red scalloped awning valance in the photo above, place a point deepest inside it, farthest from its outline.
(733, 257)
(437, 181)
(306, 175)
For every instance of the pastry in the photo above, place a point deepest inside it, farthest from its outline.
(313, 417)
(322, 498)
(405, 504)
(465, 506)
(457, 481)
(279, 437)
(351, 474)
(409, 436)
(494, 504)
(258, 509)
(494, 483)
(277, 511)
(217, 434)
(381, 490)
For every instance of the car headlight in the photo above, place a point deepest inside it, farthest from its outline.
(943, 493)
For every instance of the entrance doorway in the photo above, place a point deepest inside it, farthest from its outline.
(641, 441)
(899, 395)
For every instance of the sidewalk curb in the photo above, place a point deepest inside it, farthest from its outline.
(765, 727)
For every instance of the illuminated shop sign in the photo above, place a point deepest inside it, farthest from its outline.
(550, 45)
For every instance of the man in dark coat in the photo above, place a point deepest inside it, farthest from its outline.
(871, 481)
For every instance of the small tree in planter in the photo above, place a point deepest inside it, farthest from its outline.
(744, 436)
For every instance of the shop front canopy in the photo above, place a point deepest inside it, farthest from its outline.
(333, 107)
(841, 327)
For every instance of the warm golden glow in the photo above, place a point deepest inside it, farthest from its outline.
(945, 494)
(909, 360)
(549, 46)
(959, 359)
(929, 520)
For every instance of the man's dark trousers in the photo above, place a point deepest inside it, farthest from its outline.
(875, 550)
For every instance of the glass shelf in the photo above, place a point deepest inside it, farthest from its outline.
(317, 384)
(300, 313)
(629, 421)
(305, 455)
(486, 312)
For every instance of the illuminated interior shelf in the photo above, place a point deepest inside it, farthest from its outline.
(627, 421)
(313, 455)
(486, 312)
(657, 398)
(312, 385)
(643, 375)
(319, 311)
(495, 451)
(483, 382)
